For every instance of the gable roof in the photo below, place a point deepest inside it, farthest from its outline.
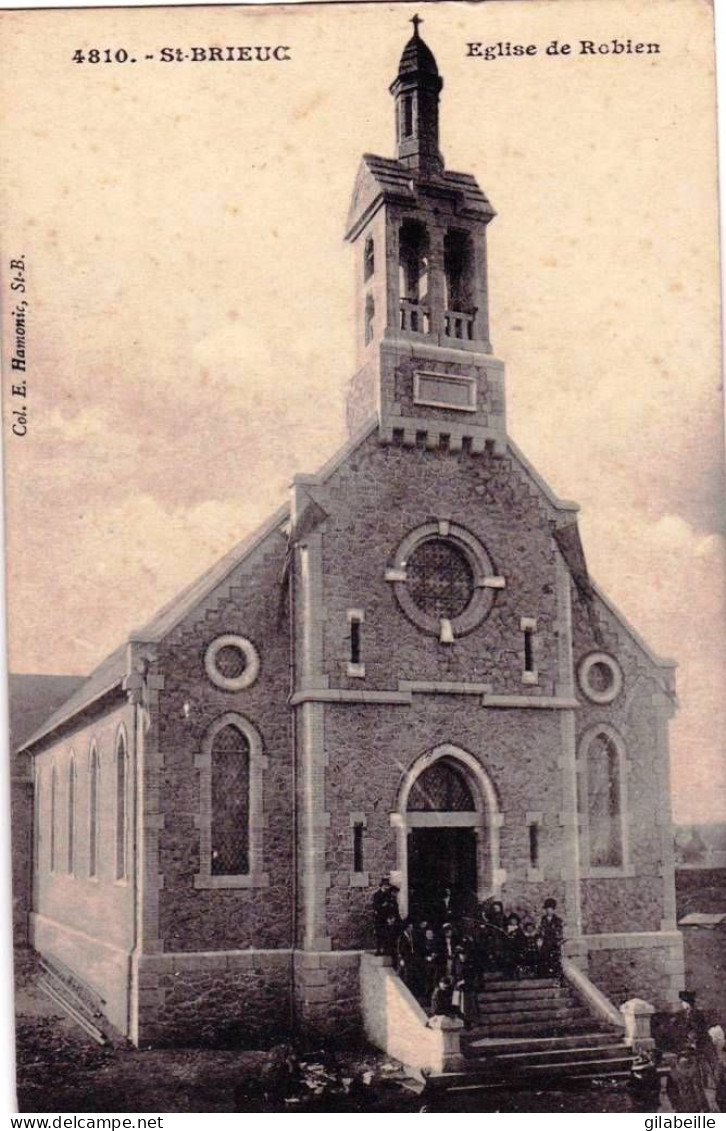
(34, 698)
(381, 179)
(111, 672)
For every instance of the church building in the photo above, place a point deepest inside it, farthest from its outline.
(406, 672)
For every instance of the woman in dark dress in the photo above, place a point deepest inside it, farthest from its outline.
(513, 947)
(551, 928)
(465, 986)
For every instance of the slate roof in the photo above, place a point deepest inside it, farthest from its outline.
(111, 671)
(385, 178)
(34, 698)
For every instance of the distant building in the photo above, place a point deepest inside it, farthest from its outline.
(701, 846)
(405, 672)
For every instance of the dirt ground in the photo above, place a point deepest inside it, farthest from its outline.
(61, 1069)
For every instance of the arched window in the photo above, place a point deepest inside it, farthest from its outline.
(121, 808)
(231, 817)
(442, 788)
(604, 801)
(370, 315)
(71, 843)
(413, 263)
(369, 259)
(93, 814)
(230, 802)
(53, 816)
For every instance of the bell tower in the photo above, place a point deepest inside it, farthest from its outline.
(425, 363)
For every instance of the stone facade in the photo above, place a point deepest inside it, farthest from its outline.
(347, 672)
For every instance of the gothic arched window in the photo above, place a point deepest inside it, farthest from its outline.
(231, 817)
(442, 788)
(71, 845)
(93, 813)
(121, 808)
(230, 802)
(604, 801)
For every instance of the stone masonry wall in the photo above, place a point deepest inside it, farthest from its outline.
(237, 997)
(327, 989)
(247, 604)
(634, 900)
(374, 500)
(634, 967)
(518, 750)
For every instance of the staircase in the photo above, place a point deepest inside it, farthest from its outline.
(535, 1032)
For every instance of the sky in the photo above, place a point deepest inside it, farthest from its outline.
(191, 300)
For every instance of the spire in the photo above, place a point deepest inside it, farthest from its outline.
(416, 90)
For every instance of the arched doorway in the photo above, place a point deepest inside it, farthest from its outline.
(447, 823)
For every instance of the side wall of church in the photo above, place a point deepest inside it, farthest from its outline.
(208, 918)
(87, 921)
(638, 898)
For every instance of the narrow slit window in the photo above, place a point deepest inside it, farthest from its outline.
(369, 318)
(534, 845)
(369, 259)
(358, 846)
(529, 649)
(408, 116)
(355, 641)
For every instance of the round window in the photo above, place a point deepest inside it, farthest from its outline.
(232, 662)
(601, 677)
(440, 578)
(444, 580)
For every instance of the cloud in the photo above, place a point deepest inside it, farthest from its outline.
(667, 578)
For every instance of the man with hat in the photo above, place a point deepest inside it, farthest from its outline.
(385, 908)
(551, 930)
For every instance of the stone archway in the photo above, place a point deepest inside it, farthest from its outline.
(447, 792)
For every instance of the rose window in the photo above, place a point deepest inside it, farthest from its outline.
(440, 578)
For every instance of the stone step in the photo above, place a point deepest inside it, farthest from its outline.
(479, 1044)
(542, 1016)
(549, 1028)
(610, 1067)
(513, 1062)
(534, 1005)
(511, 997)
(496, 983)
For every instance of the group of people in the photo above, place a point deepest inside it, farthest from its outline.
(697, 1080)
(445, 952)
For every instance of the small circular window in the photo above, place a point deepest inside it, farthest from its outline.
(601, 677)
(232, 662)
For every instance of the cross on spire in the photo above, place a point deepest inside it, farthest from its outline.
(415, 20)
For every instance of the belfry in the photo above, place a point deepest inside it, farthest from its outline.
(435, 693)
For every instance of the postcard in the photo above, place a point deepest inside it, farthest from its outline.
(364, 471)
